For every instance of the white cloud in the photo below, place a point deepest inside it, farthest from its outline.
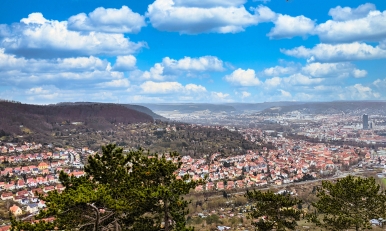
(125, 63)
(219, 96)
(339, 70)
(37, 37)
(359, 73)
(204, 63)
(150, 87)
(208, 3)
(171, 68)
(194, 88)
(346, 13)
(285, 94)
(108, 20)
(115, 83)
(300, 79)
(245, 78)
(273, 82)
(193, 17)
(358, 92)
(265, 14)
(9, 62)
(245, 94)
(34, 18)
(371, 27)
(155, 73)
(279, 70)
(337, 53)
(288, 27)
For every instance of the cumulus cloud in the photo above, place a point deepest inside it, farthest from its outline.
(285, 94)
(347, 13)
(361, 24)
(244, 78)
(209, 3)
(288, 27)
(300, 79)
(108, 20)
(273, 82)
(358, 92)
(37, 37)
(150, 87)
(115, 83)
(193, 17)
(340, 70)
(9, 62)
(171, 68)
(125, 63)
(204, 63)
(245, 94)
(280, 70)
(338, 52)
(219, 96)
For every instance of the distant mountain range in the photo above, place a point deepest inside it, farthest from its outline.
(274, 107)
(347, 107)
(214, 108)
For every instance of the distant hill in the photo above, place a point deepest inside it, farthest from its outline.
(347, 107)
(253, 107)
(190, 107)
(146, 111)
(17, 118)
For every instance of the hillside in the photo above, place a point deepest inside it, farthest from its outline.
(19, 119)
(145, 110)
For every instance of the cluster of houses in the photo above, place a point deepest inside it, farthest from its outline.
(27, 172)
(290, 162)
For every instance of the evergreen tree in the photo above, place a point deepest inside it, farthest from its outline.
(350, 203)
(273, 211)
(121, 191)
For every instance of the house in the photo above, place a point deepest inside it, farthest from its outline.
(43, 165)
(15, 210)
(32, 208)
(48, 189)
(5, 228)
(7, 196)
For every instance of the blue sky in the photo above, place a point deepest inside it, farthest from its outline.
(176, 51)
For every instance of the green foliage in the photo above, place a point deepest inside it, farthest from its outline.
(273, 211)
(129, 191)
(351, 202)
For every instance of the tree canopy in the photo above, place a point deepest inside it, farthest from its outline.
(350, 203)
(137, 190)
(273, 211)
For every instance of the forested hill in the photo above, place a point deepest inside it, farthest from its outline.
(131, 106)
(17, 118)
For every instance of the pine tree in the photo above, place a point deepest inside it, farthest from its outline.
(121, 191)
(350, 203)
(273, 211)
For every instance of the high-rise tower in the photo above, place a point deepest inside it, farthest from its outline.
(365, 119)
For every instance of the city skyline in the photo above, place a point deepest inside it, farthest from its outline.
(174, 51)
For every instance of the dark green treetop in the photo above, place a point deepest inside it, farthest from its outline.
(350, 203)
(273, 211)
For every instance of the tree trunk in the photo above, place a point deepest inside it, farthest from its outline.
(166, 216)
(96, 226)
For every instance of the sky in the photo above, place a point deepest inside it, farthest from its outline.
(191, 51)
